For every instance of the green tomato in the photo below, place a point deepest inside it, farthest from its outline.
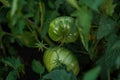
(62, 29)
(55, 56)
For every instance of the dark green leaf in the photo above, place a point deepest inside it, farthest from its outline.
(84, 17)
(59, 74)
(1, 35)
(37, 67)
(12, 75)
(93, 4)
(13, 62)
(106, 26)
(92, 74)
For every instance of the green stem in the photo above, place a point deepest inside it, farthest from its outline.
(49, 41)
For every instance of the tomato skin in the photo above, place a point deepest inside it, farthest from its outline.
(60, 29)
(64, 56)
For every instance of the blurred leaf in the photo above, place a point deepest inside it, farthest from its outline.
(84, 17)
(5, 2)
(1, 35)
(13, 62)
(59, 74)
(92, 74)
(48, 17)
(37, 67)
(111, 53)
(74, 3)
(106, 26)
(27, 38)
(108, 7)
(116, 45)
(14, 7)
(118, 62)
(93, 4)
(12, 75)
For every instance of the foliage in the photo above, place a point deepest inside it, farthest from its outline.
(24, 38)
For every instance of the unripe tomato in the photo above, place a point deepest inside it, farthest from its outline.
(62, 29)
(60, 54)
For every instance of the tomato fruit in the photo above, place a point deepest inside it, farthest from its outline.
(62, 29)
(53, 56)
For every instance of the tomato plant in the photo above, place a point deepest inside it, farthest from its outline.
(59, 39)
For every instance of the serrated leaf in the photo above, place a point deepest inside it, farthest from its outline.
(84, 17)
(12, 75)
(59, 74)
(108, 7)
(92, 74)
(5, 2)
(37, 67)
(93, 4)
(74, 3)
(106, 26)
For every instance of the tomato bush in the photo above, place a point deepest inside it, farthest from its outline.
(59, 40)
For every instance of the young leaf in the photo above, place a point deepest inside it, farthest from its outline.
(92, 74)
(108, 7)
(37, 67)
(73, 3)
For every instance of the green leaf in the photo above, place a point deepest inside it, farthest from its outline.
(14, 7)
(13, 62)
(83, 21)
(108, 7)
(59, 74)
(116, 45)
(12, 75)
(111, 53)
(37, 67)
(106, 26)
(118, 62)
(74, 3)
(5, 2)
(27, 38)
(93, 4)
(92, 74)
